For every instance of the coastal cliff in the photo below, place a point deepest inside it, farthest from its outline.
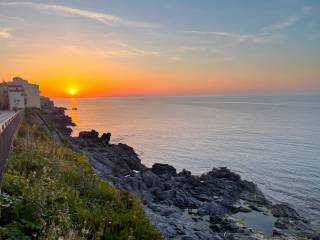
(185, 206)
(216, 205)
(50, 191)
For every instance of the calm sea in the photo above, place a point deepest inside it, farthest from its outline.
(273, 141)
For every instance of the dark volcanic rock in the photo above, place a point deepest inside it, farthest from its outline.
(105, 138)
(61, 121)
(182, 205)
(223, 173)
(316, 237)
(92, 135)
(151, 180)
(161, 169)
(281, 224)
(285, 211)
(216, 209)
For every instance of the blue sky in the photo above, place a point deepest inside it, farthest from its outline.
(245, 42)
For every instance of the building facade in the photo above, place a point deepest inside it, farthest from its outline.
(19, 94)
(31, 90)
(17, 97)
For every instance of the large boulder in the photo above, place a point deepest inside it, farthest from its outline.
(150, 179)
(181, 200)
(161, 169)
(167, 196)
(316, 237)
(285, 211)
(105, 138)
(89, 135)
(223, 173)
(215, 209)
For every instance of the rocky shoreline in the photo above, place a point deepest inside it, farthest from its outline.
(216, 205)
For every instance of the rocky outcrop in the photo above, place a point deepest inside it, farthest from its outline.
(289, 222)
(285, 211)
(105, 138)
(61, 121)
(93, 136)
(113, 162)
(185, 206)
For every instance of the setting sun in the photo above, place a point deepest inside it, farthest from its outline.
(72, 92)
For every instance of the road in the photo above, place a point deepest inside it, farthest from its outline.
(9, 124)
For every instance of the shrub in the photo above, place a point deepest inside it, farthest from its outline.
(52, 192)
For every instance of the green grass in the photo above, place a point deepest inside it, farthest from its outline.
(52, 192)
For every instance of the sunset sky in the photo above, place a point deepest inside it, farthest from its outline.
(167, 47)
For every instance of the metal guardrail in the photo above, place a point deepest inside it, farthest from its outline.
(8, 129)
(5, 123)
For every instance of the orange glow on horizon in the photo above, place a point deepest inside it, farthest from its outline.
(95, 61)
(161, 86)
(70, 74)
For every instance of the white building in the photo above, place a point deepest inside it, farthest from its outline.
(19, 94)
(17, 97)
(31, 90)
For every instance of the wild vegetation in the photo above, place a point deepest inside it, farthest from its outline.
(52, 192)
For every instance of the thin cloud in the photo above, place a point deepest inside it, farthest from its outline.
(128, 53)
(104, 18)
(225, 37)
(281, 25)
(221, 35)
(176, 59)
(119, 49)
(4, 33)
(10, 18)
(263, 35)
(186, 49)
(128, 50)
